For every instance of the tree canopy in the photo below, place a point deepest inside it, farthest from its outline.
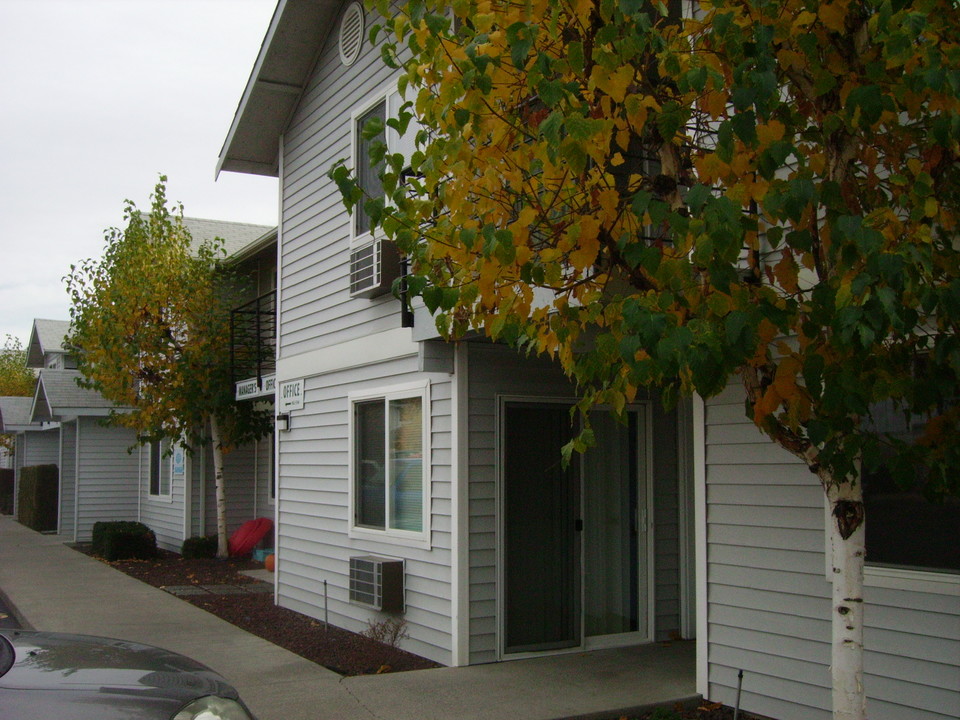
(150, 324)
(767, 190)
(16, 379)
(770, 189)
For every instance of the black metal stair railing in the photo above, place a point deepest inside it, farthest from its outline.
(253, 338)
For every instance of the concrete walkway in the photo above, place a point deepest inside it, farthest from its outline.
(53, 587)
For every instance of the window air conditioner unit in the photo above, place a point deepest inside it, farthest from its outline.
(373, 268)
(377, 582)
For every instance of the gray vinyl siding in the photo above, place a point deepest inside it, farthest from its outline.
(163, 514)
(68, 477)
(493, 370)
(106, 475)
(240, 478)
(314, 545)
(666, 524)
(35, 448)
(264, 478)
(497, 370)
(769, 599)
(316, 306)
(42, 448)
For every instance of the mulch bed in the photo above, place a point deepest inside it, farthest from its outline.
(339, 650)
(342, 651)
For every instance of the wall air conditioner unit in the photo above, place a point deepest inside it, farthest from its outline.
(377, 582)
(373, 268)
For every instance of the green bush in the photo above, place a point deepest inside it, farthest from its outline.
(6, 491)
(123, 540)
(38, 496)
(200, 547)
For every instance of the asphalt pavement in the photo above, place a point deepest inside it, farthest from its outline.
(50, 586)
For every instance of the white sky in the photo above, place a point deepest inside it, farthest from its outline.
(97, 99)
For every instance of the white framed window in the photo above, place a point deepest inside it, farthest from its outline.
(390, 464)
(159, 480)
(383, 105)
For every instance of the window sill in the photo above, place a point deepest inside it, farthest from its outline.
(392, 537)
(936, 583)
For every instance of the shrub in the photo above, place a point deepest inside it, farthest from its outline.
(6, 491)
(38, 496)
(122, 540)
(389, 631)
(199, 547)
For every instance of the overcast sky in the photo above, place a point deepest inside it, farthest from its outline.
(97, 99)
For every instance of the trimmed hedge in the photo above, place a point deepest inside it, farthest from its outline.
(123, 540)
(38, 496)
(199, 547)
(6, 491)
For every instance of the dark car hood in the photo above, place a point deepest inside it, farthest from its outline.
(83, 672)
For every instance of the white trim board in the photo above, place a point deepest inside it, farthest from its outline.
(369, 350)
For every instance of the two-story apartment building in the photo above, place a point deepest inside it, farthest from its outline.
(397, 448)
(401, 447)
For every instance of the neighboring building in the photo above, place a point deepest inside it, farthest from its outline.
(34, 443)
(105, 473)
(398, 447)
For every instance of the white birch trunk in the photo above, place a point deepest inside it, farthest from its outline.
(218, 484)
(849, 699)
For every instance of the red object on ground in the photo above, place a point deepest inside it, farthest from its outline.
(271, 562)
(246, 537)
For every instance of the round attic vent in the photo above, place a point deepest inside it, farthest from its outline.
(351, 33)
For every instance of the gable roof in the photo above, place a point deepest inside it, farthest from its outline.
(236, 236)
(46, 336)
(58, 396)
(15, 413)
(297, 32)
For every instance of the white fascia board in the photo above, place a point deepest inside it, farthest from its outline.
(251, 84)
(369, 350)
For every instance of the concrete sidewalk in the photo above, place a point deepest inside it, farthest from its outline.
(56, 588)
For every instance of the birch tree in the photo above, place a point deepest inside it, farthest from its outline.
(150, 325)
(760, 191)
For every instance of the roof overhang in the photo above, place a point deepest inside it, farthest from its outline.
(56, 407)
(297, 33)
(262, 243)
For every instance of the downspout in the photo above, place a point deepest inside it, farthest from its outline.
(76, 480)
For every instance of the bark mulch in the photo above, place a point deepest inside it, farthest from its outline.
(239, 600)
(223, 590)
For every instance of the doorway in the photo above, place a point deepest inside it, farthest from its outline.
(575, 559)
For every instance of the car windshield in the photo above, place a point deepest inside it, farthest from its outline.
(6, 655)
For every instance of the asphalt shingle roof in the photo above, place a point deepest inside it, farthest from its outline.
(236, 236)
(46, 336)
(58, 394)
(14, 411)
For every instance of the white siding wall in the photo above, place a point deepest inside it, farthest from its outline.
(769, 601)
(68, 478)
(314, 498)
(106, 475)
(316, 306)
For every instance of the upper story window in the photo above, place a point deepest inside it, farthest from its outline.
(390, 463)
(368, 175)
(375, 263)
